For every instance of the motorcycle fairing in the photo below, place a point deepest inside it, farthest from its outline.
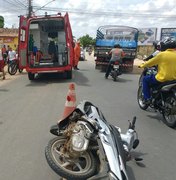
(109, 142)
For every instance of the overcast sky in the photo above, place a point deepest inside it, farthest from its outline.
(87, 15)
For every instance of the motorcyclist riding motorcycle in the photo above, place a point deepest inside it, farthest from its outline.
(116, 55)
(165, 62)
(157, 47)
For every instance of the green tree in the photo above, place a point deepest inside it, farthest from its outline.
(87, 41)
(1, 21)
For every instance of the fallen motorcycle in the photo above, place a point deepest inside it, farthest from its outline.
(88, 147)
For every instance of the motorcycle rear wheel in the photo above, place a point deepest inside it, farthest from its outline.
(140, 99)
(72, 169)
(169, 114)
(114, 76)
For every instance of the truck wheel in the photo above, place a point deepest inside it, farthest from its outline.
(31, 76)
(130, 69)
(69, 74)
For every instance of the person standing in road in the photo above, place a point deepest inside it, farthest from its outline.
(11, 55)
(116, 55)
(77, 51)
(2, 64)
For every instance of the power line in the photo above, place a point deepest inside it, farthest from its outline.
(108, 13)
(12, 3)
(21, 3)
(44, 5)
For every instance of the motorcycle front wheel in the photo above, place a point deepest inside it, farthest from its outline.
(140, 79)
(12, 68)
(140, 99)
(70, 168)
(169, 112)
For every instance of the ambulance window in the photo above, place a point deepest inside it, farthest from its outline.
(22, 35)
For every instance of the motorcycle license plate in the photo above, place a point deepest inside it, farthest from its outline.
(116, 66)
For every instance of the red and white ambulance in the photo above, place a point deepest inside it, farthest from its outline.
(46, 45)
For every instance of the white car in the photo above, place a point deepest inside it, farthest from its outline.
(82, 55)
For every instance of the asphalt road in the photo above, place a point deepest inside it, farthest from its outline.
(28, 109)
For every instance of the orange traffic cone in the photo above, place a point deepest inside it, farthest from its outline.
(70, 103)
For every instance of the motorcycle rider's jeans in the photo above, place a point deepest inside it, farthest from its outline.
(148, 81)
(108, 70)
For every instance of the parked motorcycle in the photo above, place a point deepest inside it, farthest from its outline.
(13, 67)
(163, 98)
(87, 147)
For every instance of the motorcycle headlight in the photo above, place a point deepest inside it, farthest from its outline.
(79, 141)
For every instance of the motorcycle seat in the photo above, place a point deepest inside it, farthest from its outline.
(165, 85)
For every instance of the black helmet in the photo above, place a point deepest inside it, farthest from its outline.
(168, 43)
(117, 46)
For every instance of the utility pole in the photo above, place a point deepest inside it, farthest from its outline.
(29, 8)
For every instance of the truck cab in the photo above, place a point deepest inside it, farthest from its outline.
(46, 45)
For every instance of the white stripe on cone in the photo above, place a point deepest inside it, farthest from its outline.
(70, 104)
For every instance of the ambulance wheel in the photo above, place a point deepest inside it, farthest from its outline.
(31, 76)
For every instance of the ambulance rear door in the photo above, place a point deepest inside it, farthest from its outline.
(69, 39)
(22, 42)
